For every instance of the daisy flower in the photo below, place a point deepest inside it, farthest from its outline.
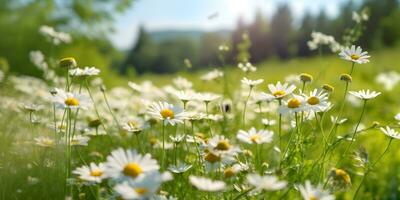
(268, 183)
(268, 122)
(44, 141)
(354, 54)
(134, 125)
(390, 132)
(167, 112)
(255, 137)
(92, 173)
(213, 75)
(250, 82)
(70, 100)
(222, 145)
(178, 169)
(87, 71)
(79, 140)
(293, 105)
(207, 97)
(365, 94)
(128, 164)
(205, 184)
(310, 192)
(141, 188)
(316, 101)
(279, 91)
(185, 96)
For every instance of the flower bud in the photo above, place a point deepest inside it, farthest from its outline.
(328, 88)
(68, 62)
(304, 77)
(346, 77)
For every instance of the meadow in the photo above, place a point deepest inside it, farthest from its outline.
(181, 136)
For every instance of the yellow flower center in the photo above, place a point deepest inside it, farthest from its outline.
(341, 174)
(313, 100)
(71, 101)
(355, 57)
(223, 145)
(279, 93)
(228, 172)
(133, 123)
(132, 169)
(313, 198)
(212, 158)
(141, 190)
(293, 103)
(254, 138)
(167, 113)
(48, 142)
(96, 173)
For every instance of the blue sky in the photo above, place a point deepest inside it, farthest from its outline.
(194, 14)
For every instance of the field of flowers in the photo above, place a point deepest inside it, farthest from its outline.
(314, 129)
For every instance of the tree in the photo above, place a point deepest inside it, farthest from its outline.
(281, 31)
(260, 47)
(304, 35)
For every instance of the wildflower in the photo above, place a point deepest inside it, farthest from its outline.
(293, 105)
(182, 83)
(207, 97)
(255, 137)
(247, 67)
(213, 75)
(55, 37)
(70, 100)
(33, 107)
(141, 188)
(340, 179)
(390, 132)
(223, 47)
(128, 164)
(268, 183)
(44, 141)
(92, 173)
(354, 54)
(87, 71)
(388, 79)
(37, 58)
(250, 82)
(309, 192)
(134, 125)
(79, 140)
(279, 90)
(205, 184)
(68, 62)
(346, 78)
(185, 96)
(178, 169)
(328, 88)
(338, 121)
(361, 157)
(365, 94)
(319, 39)
(167, 112)
(268, 122)
(316, 101)
(304, 77)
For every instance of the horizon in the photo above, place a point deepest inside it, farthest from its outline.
(208, 16)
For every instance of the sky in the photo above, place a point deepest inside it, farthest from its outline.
(205, 15)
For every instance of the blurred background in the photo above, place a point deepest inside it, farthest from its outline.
(128, 38)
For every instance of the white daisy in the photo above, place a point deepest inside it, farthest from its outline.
(205, 184)
(365, 94)
(268, 122)
(310, 192)
(293, 105)
(268, 183)
(134, 125)
(70, 100)
(278, 91)
(87, 71)
(215, 74)
(255, 137)
(167, 112)
(354, 54)
(128, 164)
(185, 96)
(250, 82)
(316, 101)
(207, 97)
(92, 173)
(141, 188)
(79, 140)
(178, 169)
(390, 132)
(44, 141)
